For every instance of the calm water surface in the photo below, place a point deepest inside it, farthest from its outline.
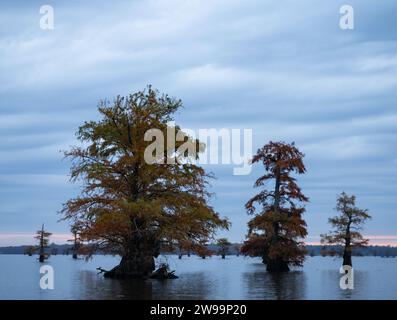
(213, 278)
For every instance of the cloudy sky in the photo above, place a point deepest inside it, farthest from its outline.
(282, 68)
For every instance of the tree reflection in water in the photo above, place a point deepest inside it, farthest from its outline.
(194, 286)
(279, 286)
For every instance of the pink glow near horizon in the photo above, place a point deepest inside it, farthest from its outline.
(17, 239)
(376, 240)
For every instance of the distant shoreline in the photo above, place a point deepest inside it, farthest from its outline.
(312, 250)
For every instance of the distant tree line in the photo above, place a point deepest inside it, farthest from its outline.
(376, 251)
(233, 250)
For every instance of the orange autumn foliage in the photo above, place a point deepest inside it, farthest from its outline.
(125, 200)
(277, 228)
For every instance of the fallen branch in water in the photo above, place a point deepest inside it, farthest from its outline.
(101, 270)
(162, 273)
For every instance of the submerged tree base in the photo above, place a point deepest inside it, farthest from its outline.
(138, 266)
(347, 260)
(277, 266)
(161, 273)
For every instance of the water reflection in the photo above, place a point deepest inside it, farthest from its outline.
(97, 287)
(331, 284)
(262, 285)
(193, 286)
(231, 278)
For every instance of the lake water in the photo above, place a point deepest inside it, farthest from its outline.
(213, 278)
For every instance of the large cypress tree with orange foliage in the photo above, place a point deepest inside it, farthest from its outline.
(131, 206)
(277, 229)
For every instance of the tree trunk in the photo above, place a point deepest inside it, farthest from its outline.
(277, 264)
(347, 255)
(223, 256)
(138, 260)
(75, 246)
(41, 258)
(347, 259)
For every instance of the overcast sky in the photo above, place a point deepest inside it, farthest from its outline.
(282, 68)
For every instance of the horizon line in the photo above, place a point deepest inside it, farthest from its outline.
(12, 239)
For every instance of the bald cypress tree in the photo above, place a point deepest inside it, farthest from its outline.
(277, 229)
(223, 244)
(43, 237)
(346, 227)
(131, 206)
